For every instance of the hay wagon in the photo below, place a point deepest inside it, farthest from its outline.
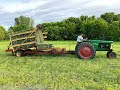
(31, 42)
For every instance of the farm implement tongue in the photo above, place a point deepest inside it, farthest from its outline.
(33, 42)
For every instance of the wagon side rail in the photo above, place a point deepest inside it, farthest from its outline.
(22, 39)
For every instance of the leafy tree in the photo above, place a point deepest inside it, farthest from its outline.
(22, 20)
(22, 23)
(106, 27)
(109, 17)
(84, 18)
(96, 29)
(2, 33)
(117, 17)
(101, 29)
(54, 33)
(18, 28)
(114, 31)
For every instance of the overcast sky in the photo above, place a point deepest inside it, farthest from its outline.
(53, 10)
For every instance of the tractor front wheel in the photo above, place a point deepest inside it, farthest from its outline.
(85, 50)
(111, 54)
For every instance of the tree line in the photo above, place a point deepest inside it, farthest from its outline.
(105, 27)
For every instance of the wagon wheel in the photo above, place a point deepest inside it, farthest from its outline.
(85, 50)
(111, 54)
(19, 53)
(13, 53)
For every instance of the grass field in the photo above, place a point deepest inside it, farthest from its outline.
(65, 72)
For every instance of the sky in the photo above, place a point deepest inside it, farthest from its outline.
(53, 10)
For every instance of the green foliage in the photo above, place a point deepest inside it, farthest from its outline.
(2, 33)
(26, 21)
(96, 29)
(22, 23)
(106, 27)
(59, 72)
(114, 30)
(109, 17)
(18, 28)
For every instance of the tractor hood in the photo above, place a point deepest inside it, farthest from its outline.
(101, 45)
(100, 41)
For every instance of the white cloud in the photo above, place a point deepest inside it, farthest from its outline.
(106, 3)
(19, 6)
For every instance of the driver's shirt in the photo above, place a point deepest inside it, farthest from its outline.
(79, 39)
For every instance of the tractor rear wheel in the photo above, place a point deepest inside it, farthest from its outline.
(111, 54)
(85, 50)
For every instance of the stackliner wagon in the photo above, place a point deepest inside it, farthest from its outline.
(31, 42)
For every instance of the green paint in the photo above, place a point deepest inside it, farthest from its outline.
(40, 41)
(45, 46)
(96, 44)
(39, 37)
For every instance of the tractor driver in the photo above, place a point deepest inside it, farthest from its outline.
(81, 38)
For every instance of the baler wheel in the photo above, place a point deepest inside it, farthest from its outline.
(85, 50)
(111, 54)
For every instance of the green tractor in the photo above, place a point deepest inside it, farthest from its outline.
(87, 49)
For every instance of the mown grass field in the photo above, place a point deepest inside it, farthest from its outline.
(65, 72)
